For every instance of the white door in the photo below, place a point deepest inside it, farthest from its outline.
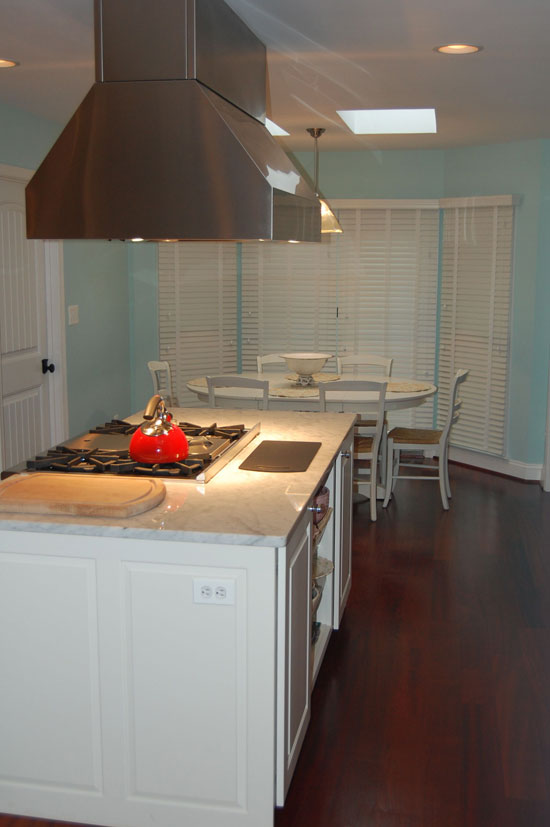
(33, 403)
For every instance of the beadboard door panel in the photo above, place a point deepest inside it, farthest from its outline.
(33, 403)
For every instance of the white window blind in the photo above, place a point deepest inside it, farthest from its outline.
(289, 299)
(387, 293)
(387, 288)
(372, 289)
(197, 311)
(475, 312)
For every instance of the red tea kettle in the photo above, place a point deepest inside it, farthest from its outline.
(158, 439)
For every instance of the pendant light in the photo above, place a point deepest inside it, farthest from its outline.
(329, 222)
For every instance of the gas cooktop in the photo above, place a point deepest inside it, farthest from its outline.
(105, 450)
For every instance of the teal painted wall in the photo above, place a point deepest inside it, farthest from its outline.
(144, 332)
(24, 139)
(96, 279)
(374, 174)
(98, 347)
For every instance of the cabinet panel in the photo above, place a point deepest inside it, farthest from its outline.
(186, 721)
(343, 529)
(294, 674)
(50, 732)
(323, 579)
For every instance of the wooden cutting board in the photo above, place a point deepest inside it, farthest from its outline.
(98, 496)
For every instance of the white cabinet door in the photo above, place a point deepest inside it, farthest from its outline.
(342, 528)
(294, 652)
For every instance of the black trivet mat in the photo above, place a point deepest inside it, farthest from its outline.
(281, 455)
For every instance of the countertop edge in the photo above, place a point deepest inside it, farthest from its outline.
(251, 508)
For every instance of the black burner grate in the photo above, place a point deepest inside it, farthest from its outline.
(205, 443)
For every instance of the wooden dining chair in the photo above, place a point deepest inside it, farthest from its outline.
(419, 439)
(365, 426)
(269, 359)
(349, 364)
(162, 381)
(262, 385)
(366, 448)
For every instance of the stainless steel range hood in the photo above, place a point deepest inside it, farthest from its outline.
(170, 142)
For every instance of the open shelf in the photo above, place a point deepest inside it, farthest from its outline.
(319, 529)
(322, 567)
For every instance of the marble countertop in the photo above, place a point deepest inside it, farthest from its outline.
(235, 506)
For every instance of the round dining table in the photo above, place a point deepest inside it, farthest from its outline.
(286, 394)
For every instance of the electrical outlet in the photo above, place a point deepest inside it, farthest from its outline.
(217, 591)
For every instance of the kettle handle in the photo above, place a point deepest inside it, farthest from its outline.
(155, 404)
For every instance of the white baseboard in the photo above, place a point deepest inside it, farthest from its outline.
(499, 465)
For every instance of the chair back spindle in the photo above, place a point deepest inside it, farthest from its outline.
(261, 385)
(366, 447)
(162, 381)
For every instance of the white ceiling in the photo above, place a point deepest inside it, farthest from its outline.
(328, 55)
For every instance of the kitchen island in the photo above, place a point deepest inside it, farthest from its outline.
(159, 668)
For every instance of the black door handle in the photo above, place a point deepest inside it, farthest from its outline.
(47, 367)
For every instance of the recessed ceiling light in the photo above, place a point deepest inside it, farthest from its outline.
(7, 64)
(458, 49)
(389, 121)
(274, 129)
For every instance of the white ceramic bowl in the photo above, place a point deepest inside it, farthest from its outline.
(305, 364)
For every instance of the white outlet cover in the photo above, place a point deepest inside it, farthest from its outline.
(214, 591)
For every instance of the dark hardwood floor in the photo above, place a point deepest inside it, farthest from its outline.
(433, 705)
(432, 708)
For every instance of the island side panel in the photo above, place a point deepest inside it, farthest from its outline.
(294, 652)
(164, 705)
(343, 519)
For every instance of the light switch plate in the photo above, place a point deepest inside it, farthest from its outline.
(73, 314)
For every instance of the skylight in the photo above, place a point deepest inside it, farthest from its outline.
(274, 129)
(388, 121)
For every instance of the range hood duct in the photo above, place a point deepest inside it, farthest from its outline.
(170, 142)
